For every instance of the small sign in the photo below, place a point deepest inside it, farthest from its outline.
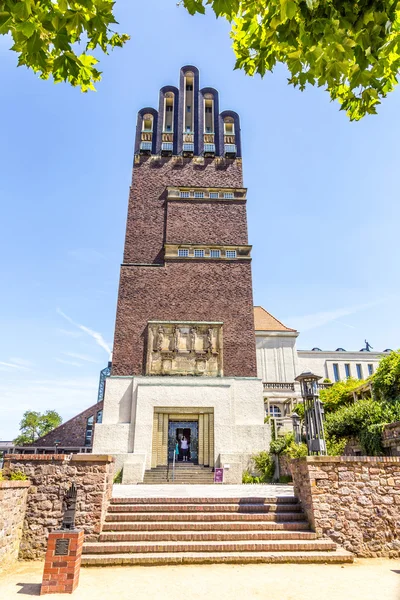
(218, 476)
(62, 547)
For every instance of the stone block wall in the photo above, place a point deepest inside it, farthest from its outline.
(13, 496)
(51, 476)
(353, 500)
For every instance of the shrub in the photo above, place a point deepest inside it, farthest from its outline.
(118, 477)
(335, 446)
(339, 394)
(18, 476)
(265, 465)
(386, 380)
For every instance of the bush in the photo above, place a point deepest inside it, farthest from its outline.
(335, 446)
(249, 478)
(265, 465)
(386, 380)
(339, 394)
(118, 477)
(18, 476)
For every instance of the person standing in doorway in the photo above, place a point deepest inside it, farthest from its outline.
(184, 448)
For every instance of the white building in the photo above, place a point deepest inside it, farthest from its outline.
(279, 362)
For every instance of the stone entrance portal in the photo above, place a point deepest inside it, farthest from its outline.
(197, 424)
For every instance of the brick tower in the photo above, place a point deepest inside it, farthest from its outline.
(184, 359)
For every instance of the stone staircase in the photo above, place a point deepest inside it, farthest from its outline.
(185, 473)
(163, 531)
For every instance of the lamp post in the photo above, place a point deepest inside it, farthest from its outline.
(296, 427)
(313, 412)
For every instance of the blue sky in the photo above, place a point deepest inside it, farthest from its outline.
(323, 206)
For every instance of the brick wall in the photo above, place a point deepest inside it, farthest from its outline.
(353, 500)
(71, 433)
(186, 291)
(203, 290)
(51, 476)
(13, 496)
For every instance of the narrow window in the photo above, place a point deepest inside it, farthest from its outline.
(183, 252)
(147, 124)
(89, 431)
(99, 416)
(199, 194)
(275, 411)
(228, 195)
(169, 112)
(231, 254)
(336, 372)
(185, 195)
(370, 369)
(199, 253)
(347, 370)
(209, 113)
(189, 99)
(229, 127)
(214, 195)
(359, 371)
(215, 253)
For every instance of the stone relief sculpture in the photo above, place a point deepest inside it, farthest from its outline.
(184, 349)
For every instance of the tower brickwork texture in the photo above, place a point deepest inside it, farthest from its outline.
(186, 256)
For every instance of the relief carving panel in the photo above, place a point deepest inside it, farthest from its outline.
(184, 348)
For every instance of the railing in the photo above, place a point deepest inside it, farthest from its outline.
(277, 385)
(324, 386)
(230, 149)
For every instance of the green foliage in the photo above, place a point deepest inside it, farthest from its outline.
(339, 394)
(249, 478)
(364, 420)
(335, 446)
(49, 36)
(1, 475)
(386, 380)
(34, 425)
(327, 380)
(285, 479)
(265, 465)
(352, 49)
(287, 446)
(18, 476)
(118, 477)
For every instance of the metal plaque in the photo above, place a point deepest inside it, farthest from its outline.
(62, 547)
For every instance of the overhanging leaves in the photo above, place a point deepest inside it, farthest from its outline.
(352, 49)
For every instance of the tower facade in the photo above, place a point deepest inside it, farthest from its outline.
(184, 355)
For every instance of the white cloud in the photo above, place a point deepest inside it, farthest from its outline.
(100, 341)
(68, 362)
(307, 322)
(22, 362)
(6, 366)
(73, 334)
(84, 357)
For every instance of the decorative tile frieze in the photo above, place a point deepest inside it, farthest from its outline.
(206, 251)
(184, 348)
(206, 194)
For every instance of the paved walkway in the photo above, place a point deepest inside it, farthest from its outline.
(202, 491)
(365, 580)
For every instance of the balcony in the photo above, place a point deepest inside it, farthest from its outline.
(278, 386)
(145, 148)
(209, 150)
(230, 150)
(167, 148)
(188, 149)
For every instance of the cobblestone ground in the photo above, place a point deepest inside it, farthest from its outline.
(201, 491)
(368, 579)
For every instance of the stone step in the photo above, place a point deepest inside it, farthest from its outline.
(185, 526)
(204, 516)
(324, 545)
(178, 481)
(205, 536)
(217, 500)
(338, 556)
(204, 508)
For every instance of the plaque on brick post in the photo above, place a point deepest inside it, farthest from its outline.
(64, 552)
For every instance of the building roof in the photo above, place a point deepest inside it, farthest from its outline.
(264, 321)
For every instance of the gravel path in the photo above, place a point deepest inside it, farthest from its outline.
(370, 579)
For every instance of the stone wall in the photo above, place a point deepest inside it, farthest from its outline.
(391, 439)
(13, 495)
(51, 476)
(353, 500)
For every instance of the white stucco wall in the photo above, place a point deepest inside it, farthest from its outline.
(321, 363)
(276, 356)
(130, 403)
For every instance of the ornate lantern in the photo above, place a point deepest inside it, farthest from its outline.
(296, 427)
(313, 412)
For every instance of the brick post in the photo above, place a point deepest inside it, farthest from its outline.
(63, 562)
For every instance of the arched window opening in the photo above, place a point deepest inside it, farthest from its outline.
(189, 100)
(147, 123)
(229, 126)
(208, 113)
(275, 411)
(168, 113)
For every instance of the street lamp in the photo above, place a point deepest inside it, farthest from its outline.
(296, 427)
(313, 412)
